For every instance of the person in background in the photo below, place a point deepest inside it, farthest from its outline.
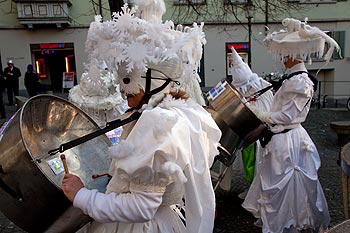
(161, 165)
(286, 195)
(248, 84)
(31, 81)
(12, 75)
(2, 90)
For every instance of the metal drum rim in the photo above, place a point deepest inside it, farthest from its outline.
(21, 112)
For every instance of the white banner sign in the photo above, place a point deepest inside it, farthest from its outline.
(68, 80)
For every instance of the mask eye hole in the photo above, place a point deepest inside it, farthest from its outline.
(126, 80)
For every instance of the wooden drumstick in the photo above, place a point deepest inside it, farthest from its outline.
(63, 158)
(95, 176)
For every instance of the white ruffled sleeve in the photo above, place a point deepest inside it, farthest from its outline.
(294, 99)
(137, 206)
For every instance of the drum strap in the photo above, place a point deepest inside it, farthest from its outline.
(267, 135)
(148, 91)
(278, 84)
(311, 77)
(109, 126)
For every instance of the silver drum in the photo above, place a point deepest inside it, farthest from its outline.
(226, 100)
(30, 179)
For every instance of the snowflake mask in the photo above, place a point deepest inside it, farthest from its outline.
(130, 45)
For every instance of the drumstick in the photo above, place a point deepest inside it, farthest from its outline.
(95, 176)
(63, 158)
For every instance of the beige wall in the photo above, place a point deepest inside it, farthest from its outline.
(15, 45)
(262, 61)
(15, 42)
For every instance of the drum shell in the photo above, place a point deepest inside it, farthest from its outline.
(234, 112)
(229, 139)
(35, 201)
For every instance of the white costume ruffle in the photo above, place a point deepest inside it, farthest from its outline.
(286, 192)
(171, 149)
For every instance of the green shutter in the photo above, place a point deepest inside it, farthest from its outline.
(339, 36)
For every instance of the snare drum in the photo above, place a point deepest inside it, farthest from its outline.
(227, 101)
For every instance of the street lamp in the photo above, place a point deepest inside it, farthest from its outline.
(249, 14)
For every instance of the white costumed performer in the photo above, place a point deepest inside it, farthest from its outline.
(248, 84)
(164, 158)
(286, 195)
(98, 95)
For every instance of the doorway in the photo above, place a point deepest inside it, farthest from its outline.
(51, 62)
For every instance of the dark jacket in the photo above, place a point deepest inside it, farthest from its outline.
(2, 82)
(31, 82)
(12, 78)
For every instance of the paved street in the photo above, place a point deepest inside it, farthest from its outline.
(231, 216)
(234, 218)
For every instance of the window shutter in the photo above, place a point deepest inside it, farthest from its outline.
(339, 37)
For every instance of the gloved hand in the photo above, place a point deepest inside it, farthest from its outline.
(263, 116)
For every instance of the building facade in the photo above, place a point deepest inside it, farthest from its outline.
(48, 34)
(51, 35)
(231, 29)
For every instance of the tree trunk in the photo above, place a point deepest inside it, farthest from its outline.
(115, 5)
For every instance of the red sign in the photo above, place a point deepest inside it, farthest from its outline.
(238, 46)
(52, 46)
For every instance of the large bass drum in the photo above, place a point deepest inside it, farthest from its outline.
(30, 179)
(228, 102)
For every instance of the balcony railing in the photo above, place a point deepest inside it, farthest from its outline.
(326, 97)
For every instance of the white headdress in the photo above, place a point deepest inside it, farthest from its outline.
(130, 45)
(240, 71)
(242, 76)
(300, 40)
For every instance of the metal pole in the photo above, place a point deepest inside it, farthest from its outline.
(250, 12)
(266, 16)
(319, 96)
(250, 42)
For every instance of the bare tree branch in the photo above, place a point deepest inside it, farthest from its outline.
(228, 12)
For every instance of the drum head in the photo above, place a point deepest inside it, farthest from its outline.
(47, 122)
(30, 178)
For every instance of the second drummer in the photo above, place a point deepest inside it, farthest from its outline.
(286, 195)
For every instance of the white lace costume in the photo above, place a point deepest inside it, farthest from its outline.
(154, 168)
(286, 194)
(165, 156)
(286, 191)
(247, 83)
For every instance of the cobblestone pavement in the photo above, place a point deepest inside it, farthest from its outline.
(231, 216)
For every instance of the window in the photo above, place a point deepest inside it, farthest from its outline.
(339, 37)
(40, 68)
(27, 10)
(42, 9)
(57, 9)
